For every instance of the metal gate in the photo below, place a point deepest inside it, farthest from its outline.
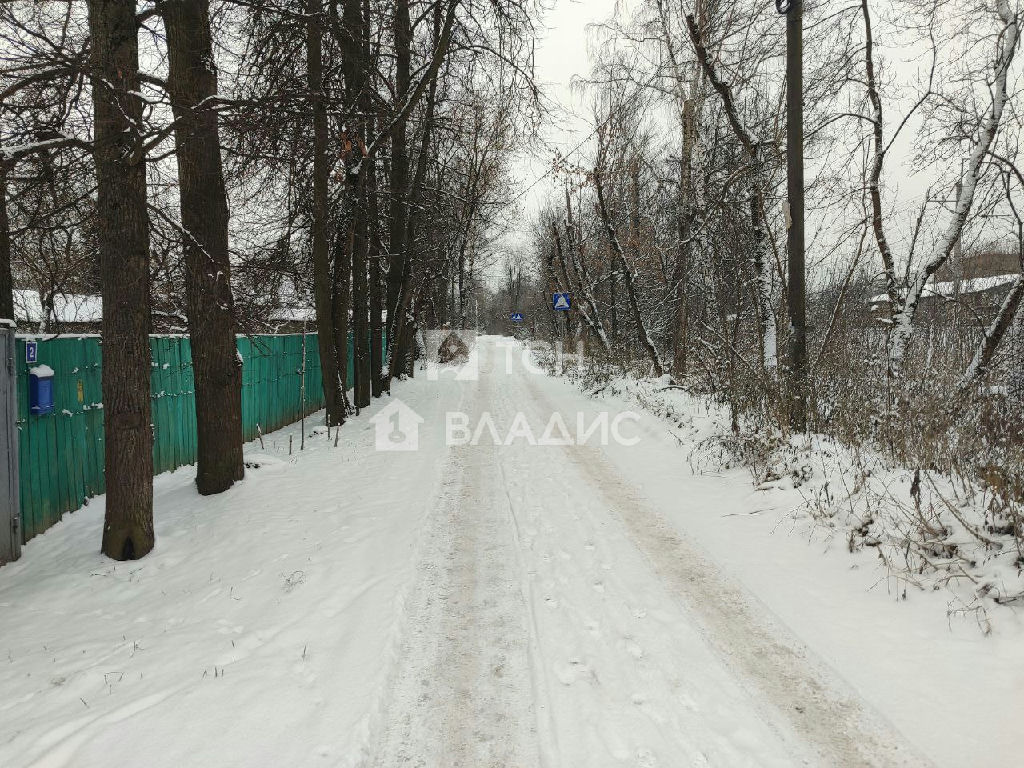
(10, 514)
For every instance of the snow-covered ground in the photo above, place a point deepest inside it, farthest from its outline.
(488, 605)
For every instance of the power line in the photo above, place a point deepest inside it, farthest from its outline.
(548, 172)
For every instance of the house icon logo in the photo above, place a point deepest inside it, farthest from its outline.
(397, 427)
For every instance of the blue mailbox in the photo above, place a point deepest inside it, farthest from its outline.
(40, 390)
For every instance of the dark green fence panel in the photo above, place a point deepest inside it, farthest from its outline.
(272, 393)
(61, 453)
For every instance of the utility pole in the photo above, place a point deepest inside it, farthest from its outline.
(797, 294)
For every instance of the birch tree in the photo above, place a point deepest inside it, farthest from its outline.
(905, 308)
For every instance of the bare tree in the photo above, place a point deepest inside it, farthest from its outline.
(905, 312)
(124, 269)
(192, 84)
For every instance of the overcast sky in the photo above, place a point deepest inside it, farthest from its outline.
(565, 36)
(561, 54)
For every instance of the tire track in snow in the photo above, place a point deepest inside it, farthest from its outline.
(843, 731)
(462, 696)
(634, 681)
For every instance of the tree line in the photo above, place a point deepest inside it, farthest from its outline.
(211, 162)
(669, 226)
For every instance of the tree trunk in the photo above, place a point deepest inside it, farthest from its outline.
(796, 293)
(993, 335)
(681, 274)
(904, 317)
(334, 397)
(356, 23)
(399, 171)
(376, 298)
(762, 273)
(462, 288)
(375, 252)
(192, 82)
(752, 145)
(408, 293)
(573, 243)
(360, 320)
(627, 273)
(355, 57)
(6, 278)
(584, 296)
(341, 292)
(123, 239)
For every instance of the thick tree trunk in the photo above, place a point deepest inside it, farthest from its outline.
(796, 291)
(334, 398)
(192, 82)
(123, 238)
(355, 57)
(360, 278)
(375, 252)
(408, 292)
(6, 277)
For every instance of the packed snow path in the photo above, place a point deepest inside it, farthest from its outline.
(559, 622)
(481, 605)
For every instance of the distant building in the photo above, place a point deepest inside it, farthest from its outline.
(57, 312)
(77, 313)
(976, 286)
(292, 319)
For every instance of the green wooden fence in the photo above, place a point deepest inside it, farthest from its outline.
(61, 453)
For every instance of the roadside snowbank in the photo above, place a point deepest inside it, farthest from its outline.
(262, 627)
(917, 654)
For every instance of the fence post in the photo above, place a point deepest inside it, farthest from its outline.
(10, 509)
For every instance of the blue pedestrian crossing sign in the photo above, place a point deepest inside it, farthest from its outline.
(517, 317)
(31, 352)
(560, 301)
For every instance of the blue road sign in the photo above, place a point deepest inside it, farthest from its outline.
(560, 301)
(517, 317)
(31, 352)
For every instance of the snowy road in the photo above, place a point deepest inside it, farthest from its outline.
(560, 622)
(501, 603)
